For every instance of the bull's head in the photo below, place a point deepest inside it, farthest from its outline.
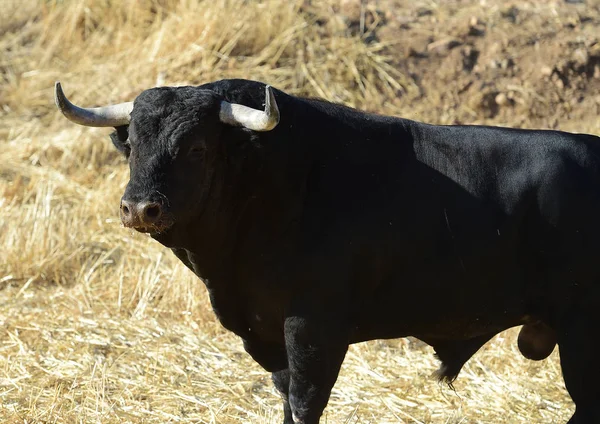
(170, 137)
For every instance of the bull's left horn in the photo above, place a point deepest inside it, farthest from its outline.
(257, 120)
(106, 116)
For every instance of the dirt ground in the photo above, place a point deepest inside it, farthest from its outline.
(533, 64)
(101, 324)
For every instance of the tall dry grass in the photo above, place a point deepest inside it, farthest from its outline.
(101, 324)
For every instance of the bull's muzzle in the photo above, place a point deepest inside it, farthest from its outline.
(143, 216)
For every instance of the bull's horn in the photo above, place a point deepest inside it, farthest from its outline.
(106, 116)
(257, 120)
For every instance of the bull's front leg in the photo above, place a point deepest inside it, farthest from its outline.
(273, 358)
(316, 346)
(281, 381)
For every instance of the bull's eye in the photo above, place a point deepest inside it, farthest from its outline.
(195, 152)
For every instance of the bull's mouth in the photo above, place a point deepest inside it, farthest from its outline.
(160, 227)
(153, 230)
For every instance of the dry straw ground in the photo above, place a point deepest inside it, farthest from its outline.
(101, 324)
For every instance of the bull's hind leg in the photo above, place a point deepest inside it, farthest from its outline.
(580, 367)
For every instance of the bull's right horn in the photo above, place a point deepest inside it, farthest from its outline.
(106, 116)
(257, 120)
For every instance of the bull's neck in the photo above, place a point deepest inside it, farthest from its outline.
(254, 201)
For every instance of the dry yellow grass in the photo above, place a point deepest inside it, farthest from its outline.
(101, 324)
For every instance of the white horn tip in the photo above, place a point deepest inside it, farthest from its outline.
(271, 108)
(59, 96)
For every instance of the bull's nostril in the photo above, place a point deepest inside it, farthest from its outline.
(153, 211)
(125, 209)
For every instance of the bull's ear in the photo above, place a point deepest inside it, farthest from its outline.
(120, 139)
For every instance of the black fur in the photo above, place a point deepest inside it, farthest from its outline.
(340, 226)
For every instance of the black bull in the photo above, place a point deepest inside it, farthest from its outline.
(315, 226)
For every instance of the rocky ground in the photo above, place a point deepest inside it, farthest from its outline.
(518, 63)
